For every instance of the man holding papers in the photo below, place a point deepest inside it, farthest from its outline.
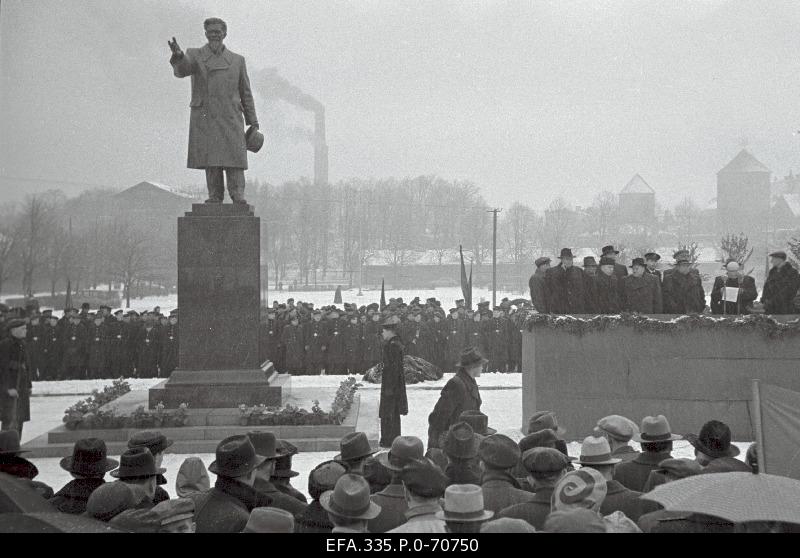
(733, 293)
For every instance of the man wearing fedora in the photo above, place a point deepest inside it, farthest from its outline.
(424, 484)
(283, 474)
(157, 443)
(713, 449)
(349, 505)
(781, 285)
(12, 463)
(463, 510)
(498, 454)
(354, 449)
(221, 99)
(565, 286)
(640, 290)
(596, 453)
(392, 499)
(656, 439)
(138, 470)
(393, 401)
(682, 288)
(459, 394)
(265, 445)
(15, 380)
(87, 465)
(545, 466)
(612, 253)
(227, 506)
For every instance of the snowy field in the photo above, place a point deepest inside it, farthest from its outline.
(501, 394)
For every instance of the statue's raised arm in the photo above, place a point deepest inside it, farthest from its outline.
(176, 50)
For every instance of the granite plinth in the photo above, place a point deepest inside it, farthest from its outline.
(219, 282)
(219, 389)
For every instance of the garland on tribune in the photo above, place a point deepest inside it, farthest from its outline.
(761, 323)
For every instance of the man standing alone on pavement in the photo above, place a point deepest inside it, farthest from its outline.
(393, 401)
(15, 381)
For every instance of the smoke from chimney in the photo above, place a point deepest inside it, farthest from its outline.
(273, 86)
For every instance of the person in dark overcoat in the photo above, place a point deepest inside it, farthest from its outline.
(147, 351)
(168, 343)
(459, 394)
(746, 295)
(315, 335)
(682, 289)
(652, 259)
(565, 286)
(393, 402)
(292, 340)
(590, 298)
(537, 285)
(455, 332)
(610, 252)
(97, 347)
(781, 286)
(336, 362)
(119, 364)
(15, 380)
(35, 343)
(314, 519)
(498, 455)
(51, 349)
(472, 330)
(607, 288)
(87, 465)
(374, 342)
(73, 349)
(640, 290)
(495, 340)
(227, 506)
(656, 438)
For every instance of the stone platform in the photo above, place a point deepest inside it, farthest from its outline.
(220, 389)
(205, 428)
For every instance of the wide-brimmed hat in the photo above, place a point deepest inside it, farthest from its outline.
(350, 498)
(714, 440)
(153, 440)
(655, 429)
(565, 253)
(137, 463)
(589, 261)
(235, 456)
(478, 421)
(652, 256)
(354, 445)
(618, 427)
(596, 451)
(499, 451)
(264, 444)
(469, 357)
(269, 520)
(283, 463)
(405, 449)
(463, 503)
(461, 442)
(608, 250)
(254, 138)
(545, 419)
(89, 458)
(9, 443)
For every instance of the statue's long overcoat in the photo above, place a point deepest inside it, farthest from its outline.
(221, 97)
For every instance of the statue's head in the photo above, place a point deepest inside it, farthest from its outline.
(216, 31)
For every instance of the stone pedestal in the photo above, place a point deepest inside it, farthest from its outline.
(219, 248)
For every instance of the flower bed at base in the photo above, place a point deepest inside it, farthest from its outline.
(261, 415)
(764, 324)
(88, 415)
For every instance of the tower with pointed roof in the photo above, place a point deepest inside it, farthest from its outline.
(637, 202)
(743, 195)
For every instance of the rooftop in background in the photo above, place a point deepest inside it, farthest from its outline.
(148, 188)
(744, 162)
(637, 185)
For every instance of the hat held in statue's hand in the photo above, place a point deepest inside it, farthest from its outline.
(255, 139)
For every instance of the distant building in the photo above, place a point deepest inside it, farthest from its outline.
(637, 202)
(786, 212)
(743, 195)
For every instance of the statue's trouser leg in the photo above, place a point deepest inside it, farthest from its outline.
(215, 184)
(235, 179)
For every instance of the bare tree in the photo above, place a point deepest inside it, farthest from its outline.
(735, 248)
(558, 228)
(9, 237)
(129, 255)
(602, 216)
(34, 229)
(686, 216)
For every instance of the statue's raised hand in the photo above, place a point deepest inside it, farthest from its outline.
(176, 50)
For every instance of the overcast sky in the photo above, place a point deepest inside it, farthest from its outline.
(527, 99)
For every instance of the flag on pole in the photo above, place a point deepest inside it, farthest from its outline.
(466, 284)
(383, 296)
(68, 298)
(776, 419)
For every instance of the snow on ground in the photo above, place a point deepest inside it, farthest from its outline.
(501, 395)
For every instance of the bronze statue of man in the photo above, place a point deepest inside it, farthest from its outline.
(221, 97)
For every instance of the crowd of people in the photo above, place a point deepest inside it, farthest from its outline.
(606, 287)
(477, 481)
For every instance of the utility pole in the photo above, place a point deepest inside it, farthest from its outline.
(495, 211)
